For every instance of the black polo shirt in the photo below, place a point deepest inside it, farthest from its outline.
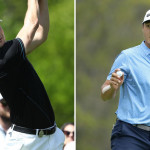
(22, 88)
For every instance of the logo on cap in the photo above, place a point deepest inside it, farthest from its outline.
(148, 15)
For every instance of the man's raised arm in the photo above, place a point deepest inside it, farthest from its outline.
(31, 24)
(43, 29)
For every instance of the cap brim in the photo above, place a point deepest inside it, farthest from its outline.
(146, 20)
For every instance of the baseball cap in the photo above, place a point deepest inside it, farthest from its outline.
(147, 16)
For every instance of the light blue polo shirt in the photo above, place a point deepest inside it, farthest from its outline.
(134, 101)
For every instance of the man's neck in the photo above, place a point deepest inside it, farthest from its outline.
(147, 44)
(5, 124)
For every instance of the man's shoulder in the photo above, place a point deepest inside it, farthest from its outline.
(8, 44)
(132, 50)
(13, 44)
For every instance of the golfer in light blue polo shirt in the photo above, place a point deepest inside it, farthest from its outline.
(134, 103)
(132, 129)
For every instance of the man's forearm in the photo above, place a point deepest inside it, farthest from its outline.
(31, 24)
(32, 14)
(107, 92)
(43, 29)
(44, 18)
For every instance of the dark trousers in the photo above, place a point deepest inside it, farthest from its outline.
(128, 137)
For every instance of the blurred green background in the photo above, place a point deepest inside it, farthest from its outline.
(54, 60)
(104, 29)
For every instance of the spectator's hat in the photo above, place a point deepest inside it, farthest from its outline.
(147, 16)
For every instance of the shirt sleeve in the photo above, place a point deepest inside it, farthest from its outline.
(21, 49)
(121, 62)
(15, 54)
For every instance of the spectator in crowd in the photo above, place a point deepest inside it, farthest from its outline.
(68, 130)
(5, 122)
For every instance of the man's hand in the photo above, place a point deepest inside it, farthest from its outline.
(115, 80)
(110, 87)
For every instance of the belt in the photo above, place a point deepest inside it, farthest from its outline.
(39, 132)
(142, 126)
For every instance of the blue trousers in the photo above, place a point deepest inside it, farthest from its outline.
(128, 137)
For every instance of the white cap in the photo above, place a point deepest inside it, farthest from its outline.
(1, 97)
(147, 16)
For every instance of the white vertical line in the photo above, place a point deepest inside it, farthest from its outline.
(75, 68)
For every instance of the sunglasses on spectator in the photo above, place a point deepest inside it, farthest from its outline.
(67, 133)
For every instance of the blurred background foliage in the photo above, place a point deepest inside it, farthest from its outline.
(54, 60)
(104, 29)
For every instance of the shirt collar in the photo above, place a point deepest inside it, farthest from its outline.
(145, 48)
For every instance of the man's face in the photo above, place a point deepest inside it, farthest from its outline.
(146, 33)
(2, 37)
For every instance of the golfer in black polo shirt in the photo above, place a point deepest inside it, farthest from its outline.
(34, 126)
